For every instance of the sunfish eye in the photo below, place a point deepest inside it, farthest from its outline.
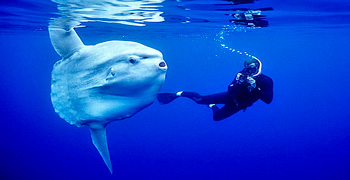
(132, 60)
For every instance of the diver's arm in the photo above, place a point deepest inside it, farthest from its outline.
(265, 90)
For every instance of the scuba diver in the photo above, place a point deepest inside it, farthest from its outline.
(248, 86)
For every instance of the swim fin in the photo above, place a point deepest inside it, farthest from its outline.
(165, 98)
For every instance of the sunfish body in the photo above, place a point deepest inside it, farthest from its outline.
(95, 85)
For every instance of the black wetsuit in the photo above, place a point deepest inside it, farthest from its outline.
(237, 97)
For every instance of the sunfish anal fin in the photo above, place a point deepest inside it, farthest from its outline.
(99, 139)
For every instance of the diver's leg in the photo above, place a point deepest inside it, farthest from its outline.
(224, 112)
(191, 95)
(219, 98)
(165, 98)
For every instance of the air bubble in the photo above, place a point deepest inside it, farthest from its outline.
(227, 29)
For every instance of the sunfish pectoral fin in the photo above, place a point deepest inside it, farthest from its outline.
(65, 42)
(99, 139)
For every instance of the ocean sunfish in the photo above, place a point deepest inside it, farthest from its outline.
(95, 85)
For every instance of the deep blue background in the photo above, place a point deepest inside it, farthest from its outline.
(303, 134)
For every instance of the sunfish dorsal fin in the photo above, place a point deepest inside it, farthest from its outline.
(65, 42)
(99, 139)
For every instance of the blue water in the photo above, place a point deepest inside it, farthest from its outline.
(303, 134)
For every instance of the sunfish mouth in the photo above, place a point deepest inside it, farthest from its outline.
(162, 64)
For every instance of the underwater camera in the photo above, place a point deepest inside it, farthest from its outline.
(245, 73)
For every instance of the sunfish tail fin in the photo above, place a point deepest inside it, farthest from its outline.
(165, 98)
(65, 42)
(99, 139)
